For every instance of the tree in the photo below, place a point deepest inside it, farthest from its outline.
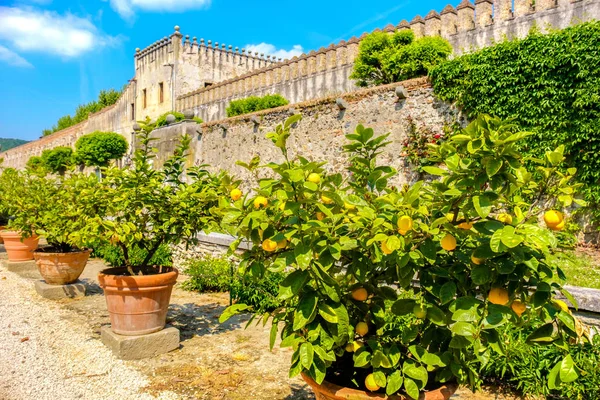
(57, 160)
(99, 148)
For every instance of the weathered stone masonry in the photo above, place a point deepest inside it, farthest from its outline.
(183, 74)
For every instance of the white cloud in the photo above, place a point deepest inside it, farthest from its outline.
(11, 58)
(269, 49)
(30, 30)
(127, 8)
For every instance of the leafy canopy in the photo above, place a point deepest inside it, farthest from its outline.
(253, 103)
(340, 233)
(99, 148)
(56, 160)
(387, 58)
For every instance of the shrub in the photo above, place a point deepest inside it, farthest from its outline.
(35, 164)
(208, 274)
(162, 119)
(99, 148)
(548, 84)
(384, 58)
(113, 255)
(252, 104)
(470, 237)
(260, 294)
(58, 159)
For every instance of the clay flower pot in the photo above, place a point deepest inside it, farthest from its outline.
(138, 304)
(61, 268)
(16, 249)
(2, 228)
(329, 391)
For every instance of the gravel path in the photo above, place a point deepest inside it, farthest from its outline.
(44, 355)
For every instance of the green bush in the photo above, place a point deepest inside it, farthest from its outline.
(210, 274)
(99, 148)
(58, 159)
(548, 83)
(35, 164)
(113, 255)
(253, 104)
(384, 58)
(162, 119)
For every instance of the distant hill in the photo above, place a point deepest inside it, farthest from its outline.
(10, 143)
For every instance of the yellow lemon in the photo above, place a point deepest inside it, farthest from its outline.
(370, 383)
(465, 225)
(260, 201)
(235, 194)
(282, 244)
(420, 312)
(400, 231)
(505, 218)
(320, 216)
(476, 261)
(360, 294)
(518, 307)
(314, 178)
(558, 227)
(448, 242)
(562, 305)
(385, 249)
(350, 348)
(498, 296)
(269, 245)
(353, 347)
(405, 223)
(361, 328)
(326, 200)
(552, 218)
(349, 206)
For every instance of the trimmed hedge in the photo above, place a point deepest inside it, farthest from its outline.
(549, 84)
(253, 104)
(99, 148)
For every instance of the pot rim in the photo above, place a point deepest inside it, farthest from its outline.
(110, 280)
(14, 234)
(333, 389)
(44, 253)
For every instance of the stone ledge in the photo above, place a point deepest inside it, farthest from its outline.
(587, 299)
(58, 292)
(20, 266)
(222, 240)
(142, 346)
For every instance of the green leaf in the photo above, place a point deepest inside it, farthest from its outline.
(328, 313)
(380, 378)
(411, 388)
(554, 381)
(306, 354)
(362, 357)
(482, 205)
(380, 360)
(231, 311)
(305, 311)
(435, 171)
(567, 370)
(543, 334)
(492, 166)
(394, 383)
(509, 238)
(463, 329)
(303, 255)
(403, 306)
(273, 335)
(447, 292)
(292, 284)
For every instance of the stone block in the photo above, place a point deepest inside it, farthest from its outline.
(58, 292)
(20, 266)
(142, 346)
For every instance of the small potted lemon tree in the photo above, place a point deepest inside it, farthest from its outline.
(400, 292)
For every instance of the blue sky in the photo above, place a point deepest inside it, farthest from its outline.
(56, 54)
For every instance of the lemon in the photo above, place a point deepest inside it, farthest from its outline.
(448, 242)
(505, 218)
(350, 348)
(260, 201)
(558, 227)
(353, 347)
(370, 383)
(235, 194)
(476, 261)
(465, 225)
(314, 178)
(320, 216)
(282, 244)
(361, 328)
(269, 245)
(405, 223)
(360, 294)
(498, 296)
(420, 312)
(552, 218)
(326, 200)
(518, 307)
(385, 249)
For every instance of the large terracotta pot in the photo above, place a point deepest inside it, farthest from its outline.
(16, 249)
(2, 227)
(61, 268)
(329, 391)
(138, 304)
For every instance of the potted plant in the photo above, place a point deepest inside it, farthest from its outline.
(18, 200)
(395, 292)
(148, 208)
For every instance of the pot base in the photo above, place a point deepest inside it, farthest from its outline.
(58, 292)
(141, 346)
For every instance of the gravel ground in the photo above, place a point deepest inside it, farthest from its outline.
(44, 355)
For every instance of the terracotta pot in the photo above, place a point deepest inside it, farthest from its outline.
(61, 268)
(16, 249)
(329, 391)
(138, 304)
(2, 228)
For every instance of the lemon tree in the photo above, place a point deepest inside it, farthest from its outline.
(462, 254)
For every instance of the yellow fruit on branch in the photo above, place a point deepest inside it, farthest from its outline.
(477, 261)
(282, 244)
(498, 296)
(505, 218)
(405, 223)
(553, 218)
(385, 249)
(420, 312)
(360, 294)
(269, 245)
(260, 201)
(465, 225)
(361, 328)
(353, 347)
(320, 216)
(518, 307)
(370, 383)
(448, 242)
(558, 227)
(326, 200)
(235, 194)
(314, 178)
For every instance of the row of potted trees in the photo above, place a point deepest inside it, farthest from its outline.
(352, 246)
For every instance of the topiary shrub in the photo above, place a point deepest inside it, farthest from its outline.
(384, 58)
(99, 148)
(254, 103)
(57, 160)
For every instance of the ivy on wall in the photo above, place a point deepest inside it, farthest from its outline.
(549, 83)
